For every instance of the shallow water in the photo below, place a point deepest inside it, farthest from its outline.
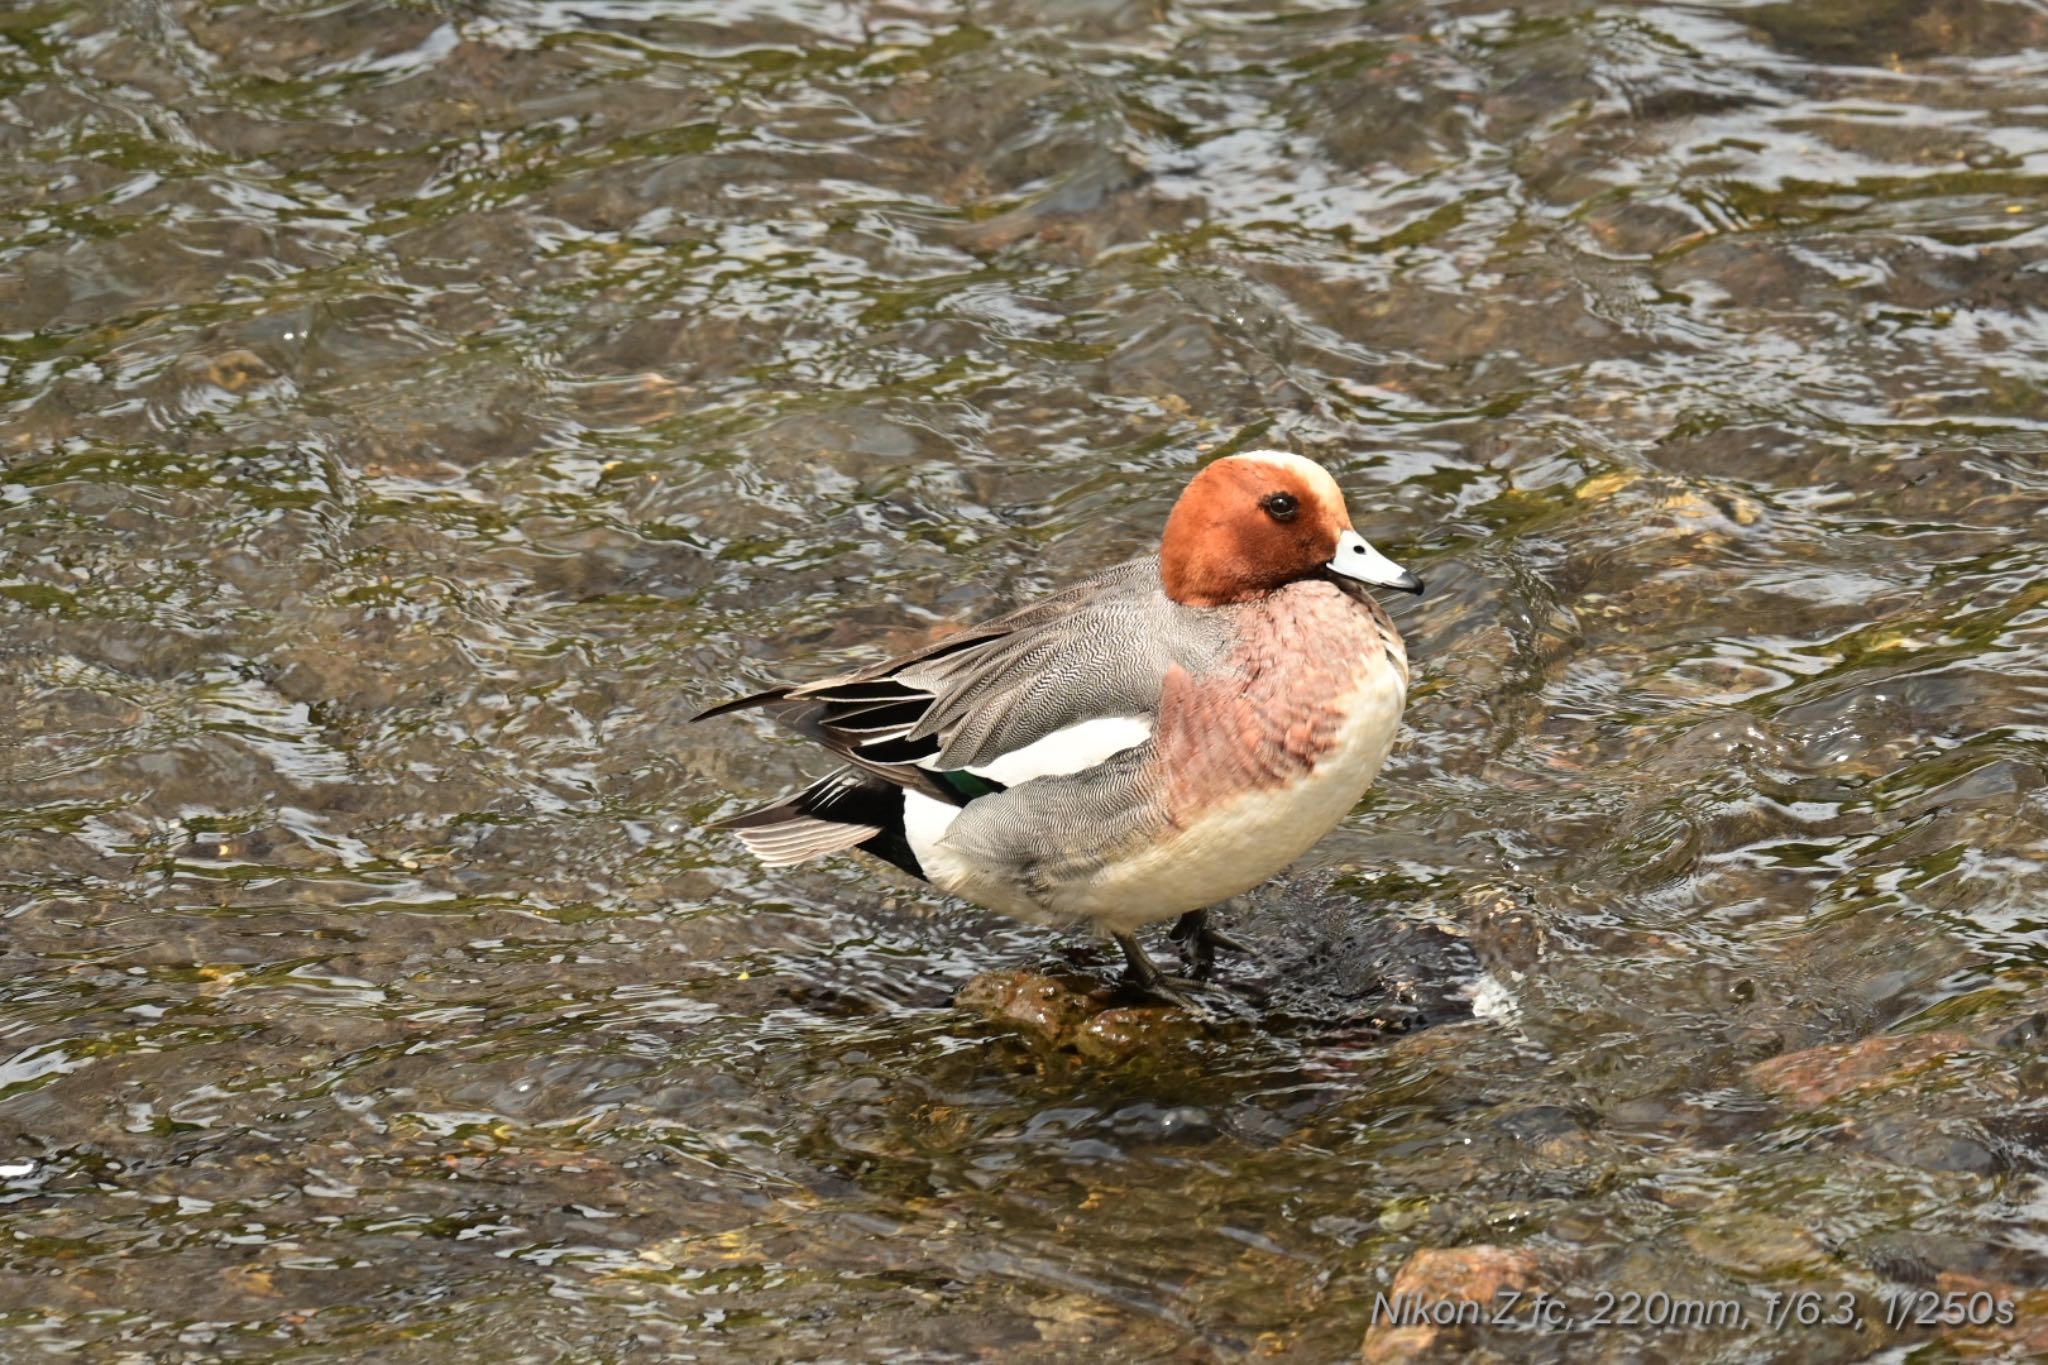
(414, 412)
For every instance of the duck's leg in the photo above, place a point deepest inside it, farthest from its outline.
(1142, 974)
(1200, 939)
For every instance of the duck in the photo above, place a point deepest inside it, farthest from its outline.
(1150, 741)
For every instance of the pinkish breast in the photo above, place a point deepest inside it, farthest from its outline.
(1277, 703)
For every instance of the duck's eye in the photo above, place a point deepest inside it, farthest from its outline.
(1281, 506)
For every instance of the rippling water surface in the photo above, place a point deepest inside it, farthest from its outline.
(411, 412)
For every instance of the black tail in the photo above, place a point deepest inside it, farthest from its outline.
(768, 698)
(848, 809)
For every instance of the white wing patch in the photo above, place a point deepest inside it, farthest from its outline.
(1070, 749)
(1067, 750)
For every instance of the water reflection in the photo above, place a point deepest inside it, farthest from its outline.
(413, 414)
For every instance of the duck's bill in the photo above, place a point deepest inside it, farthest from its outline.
(1358, 560)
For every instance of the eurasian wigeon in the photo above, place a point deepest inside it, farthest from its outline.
(1149, 742)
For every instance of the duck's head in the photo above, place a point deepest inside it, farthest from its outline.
(1254, 522)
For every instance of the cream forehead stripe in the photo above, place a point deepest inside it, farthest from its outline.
(1316, 478)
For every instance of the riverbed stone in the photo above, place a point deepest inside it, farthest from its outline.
(1813, 1076)
(1438, 1276)
(1042, 1007)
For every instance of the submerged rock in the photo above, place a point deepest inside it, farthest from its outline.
(1077, 1014)
(1446, 1289)
(1124, 1032)
(1815, 1075)
(1046, 1008)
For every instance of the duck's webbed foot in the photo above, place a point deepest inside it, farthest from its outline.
(1199, 940)
(1142, 974)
